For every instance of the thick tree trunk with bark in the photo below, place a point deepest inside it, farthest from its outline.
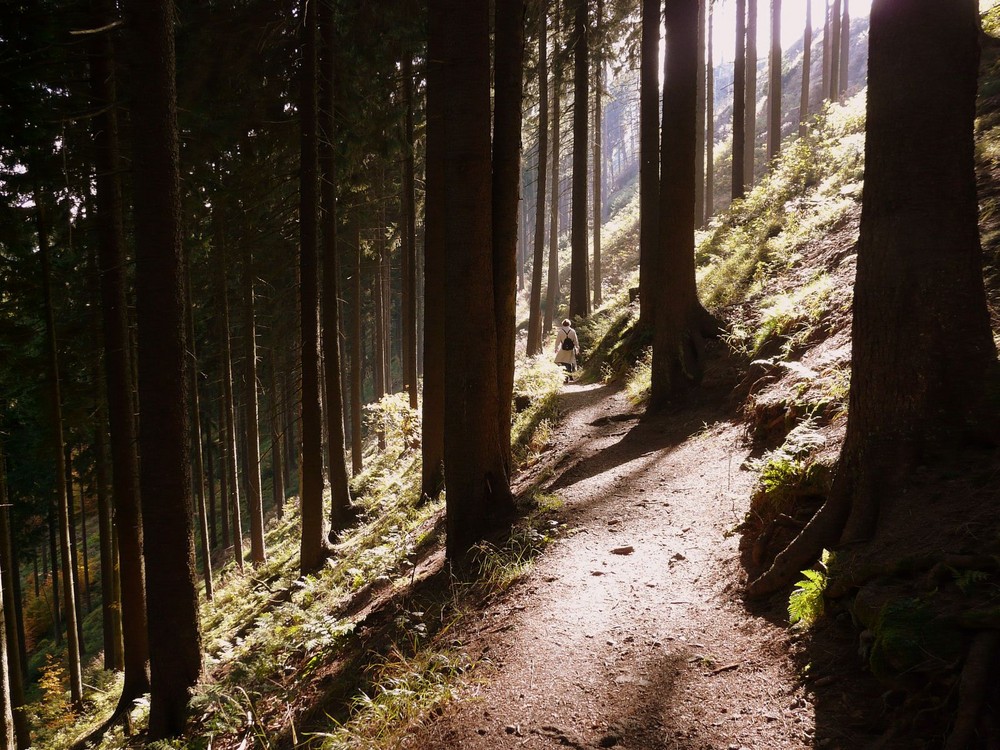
(923, 359)
(478, 498)
(579, 288)
(314, 548)
(507, 113)
(534, 345)
(165, 471)
(649, 158)
(340, 507)
(680, 322)
(739, 103)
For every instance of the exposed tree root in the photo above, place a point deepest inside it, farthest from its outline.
(980, 667)
(822, 531)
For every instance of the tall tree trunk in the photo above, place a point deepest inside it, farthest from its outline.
(58, 447)
(231, 500)
(85, 552)
(213, 536)
(277, 469)
(379, 303)
(579, 288)
(806, 60)
(224, 504)
(10, 679)
(340, 509)
(826, 50)
(835, 51)
(699, 122)
(750, 122)
(251, 416)
(598, 198)
(552, 292)
(507, 114)
(21, 736)
(165, 471)
(535, 302)
(680, 322)
(74, 546)
(409, 235)
(313, 548)
(845, 51)
(356, 437)
(55, 607)
(739, 103)
(923, 361)
(435, 301)
(649, 164)
(774, 84)
(478, 497)
(111, 620)
(196, 444)
(710, 120)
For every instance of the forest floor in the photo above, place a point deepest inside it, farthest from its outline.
(631, 631)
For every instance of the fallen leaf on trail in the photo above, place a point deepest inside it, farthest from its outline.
(627, 550)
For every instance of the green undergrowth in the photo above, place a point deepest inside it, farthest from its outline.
(790, 473)
(270, 633)
(815, 183)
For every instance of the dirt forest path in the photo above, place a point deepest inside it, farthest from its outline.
(630, 632)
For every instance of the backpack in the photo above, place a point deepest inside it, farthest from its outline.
(567, 344)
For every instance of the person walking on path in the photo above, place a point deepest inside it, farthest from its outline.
(567, 347)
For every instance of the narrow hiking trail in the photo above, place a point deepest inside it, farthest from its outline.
(629, 631)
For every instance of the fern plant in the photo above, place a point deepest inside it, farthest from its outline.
(805, 604)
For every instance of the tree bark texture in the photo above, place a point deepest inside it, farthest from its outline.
(17, 729)
(806, 64)
(313, 549)
(845, 50)
(74, 668)
(231, 499)
(478, 497)
(534, 345)
(251, 414)
(710, 120)
(598, 209)
(739, 103)
(649, 158)
(552, 292)
(340, 507)
(579, 289)
(774, 84)
(699, 124)
(409, 233)
(508, 79)
(750, 120)
(923, 358)
(165, 471)
(677, 336)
